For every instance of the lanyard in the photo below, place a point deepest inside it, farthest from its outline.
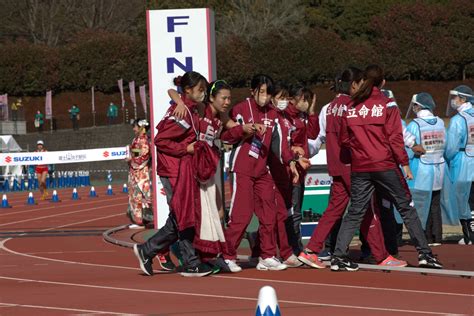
(253, 120)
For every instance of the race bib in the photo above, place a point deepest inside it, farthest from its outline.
(255, 147)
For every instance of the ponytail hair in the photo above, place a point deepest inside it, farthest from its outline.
(348, 76)
(191, 79)
(373, 77)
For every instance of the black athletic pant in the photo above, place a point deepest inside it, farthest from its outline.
(389, 183)
(169, 234)
(434, 224)
(293, 222)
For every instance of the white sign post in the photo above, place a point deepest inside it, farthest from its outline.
(178, 41)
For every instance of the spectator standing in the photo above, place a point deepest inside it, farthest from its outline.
(74, 114)
(112, 113)
(15, 107)
(39, 121)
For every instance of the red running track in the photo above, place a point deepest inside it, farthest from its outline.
(63, 266)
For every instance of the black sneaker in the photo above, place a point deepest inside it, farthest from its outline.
(145, 262)
(166, 263)
(343, 264)
(199, 271)
(428, 260)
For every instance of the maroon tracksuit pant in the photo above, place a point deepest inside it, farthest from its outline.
(370, 227)
(252, 195)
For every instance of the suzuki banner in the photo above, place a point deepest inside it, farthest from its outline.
(178, 41)
(61, 157)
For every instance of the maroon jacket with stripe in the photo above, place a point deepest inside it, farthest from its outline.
(172, 139)
(338, 158)
(275, 139)
(373, 132)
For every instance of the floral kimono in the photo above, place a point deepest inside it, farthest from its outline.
(139, 206)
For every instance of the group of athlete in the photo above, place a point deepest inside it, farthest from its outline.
(273, 133)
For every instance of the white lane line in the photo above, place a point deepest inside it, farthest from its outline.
(61, 309)
(52, 207)
(241, 298)
(63, 252)
(3, 242)
(343, 286)
(62, 214)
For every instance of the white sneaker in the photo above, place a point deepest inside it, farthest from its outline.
(462, 242)
(270, 264)
(233, 266)
(293, 262)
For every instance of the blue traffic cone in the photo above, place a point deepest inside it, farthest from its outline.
(125, 188)
(75, 195)
(16, 187)
(5, 202)
(109, 190)
(31, 199)
(55, 197)
(92, 192)
(267, 302)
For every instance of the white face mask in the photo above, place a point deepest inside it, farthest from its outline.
(282, 104)
(454, 105)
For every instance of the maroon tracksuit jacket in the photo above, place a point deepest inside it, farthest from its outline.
(254, 189)
(338, 161)
(373, 131)
(171, 140)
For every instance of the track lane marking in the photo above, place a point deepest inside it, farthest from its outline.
(241, 298)
(2, 304)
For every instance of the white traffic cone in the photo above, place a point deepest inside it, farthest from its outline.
(267, 302)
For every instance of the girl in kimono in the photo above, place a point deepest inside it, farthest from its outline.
(139, 199)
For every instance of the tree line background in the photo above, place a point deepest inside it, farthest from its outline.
(71, 45)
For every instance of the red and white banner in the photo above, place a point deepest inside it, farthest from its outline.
(93, 100)
(65, 156)
(120, 85)
(131, 87)
(143, 97)
(48, 106)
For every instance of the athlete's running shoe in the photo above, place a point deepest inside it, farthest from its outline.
(233, 266)
(325, 255)
(270, 264)
(392, 262)
(343, 264)
(428, 260)
(311, 259)
(145, 262)
(201, 270)
(293, 262)
(166, 263)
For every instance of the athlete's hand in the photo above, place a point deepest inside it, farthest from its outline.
(190, 148)
(180, 110)
(418, 150)
(249, 129)
(304, 163)
(261, 129)
(407, 171)
(297, 150)
(312, 107)
(294, 172)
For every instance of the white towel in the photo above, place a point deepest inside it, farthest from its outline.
(211, 228)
